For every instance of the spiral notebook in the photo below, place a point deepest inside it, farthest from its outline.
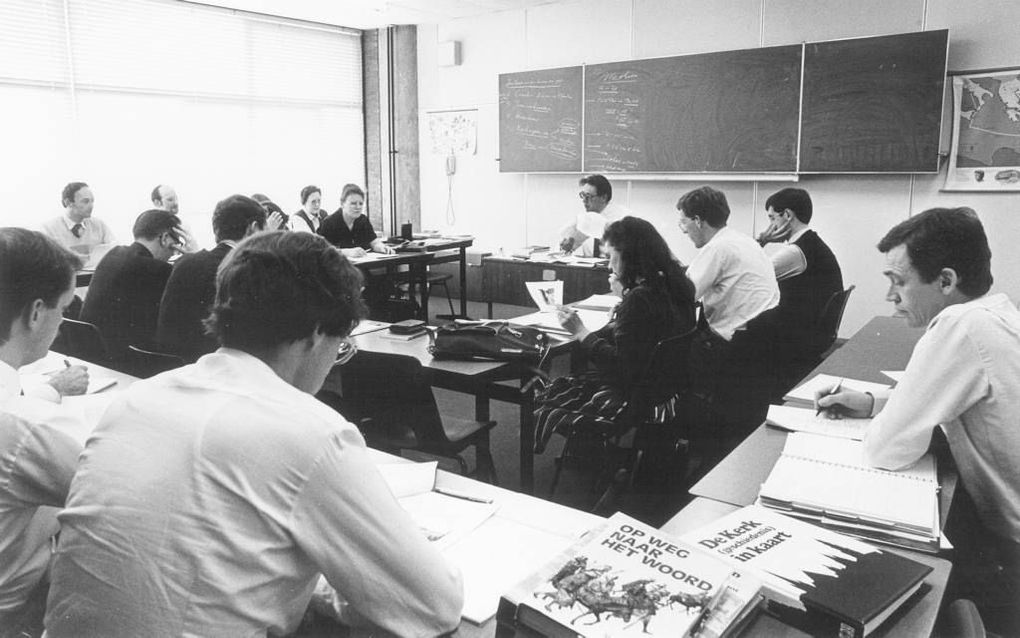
(826, 480)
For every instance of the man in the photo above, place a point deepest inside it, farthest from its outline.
(808, 276)
(165, 198)
(191, 289)
(211, 497)
(962, 376)
(582, 236)
(276, 219)
(123, 298)
(38, 454)
(77, 229)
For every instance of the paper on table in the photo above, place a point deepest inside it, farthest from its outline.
(369, 325)
(806, 391)
(805, 420)
(547, 295)
(592, 320)
(895, 375)
(604, 303)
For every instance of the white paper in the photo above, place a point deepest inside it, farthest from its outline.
(547, 295)
(895, 375)
(806, 391)
(805, 420)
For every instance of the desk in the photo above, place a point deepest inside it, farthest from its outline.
(503, 280)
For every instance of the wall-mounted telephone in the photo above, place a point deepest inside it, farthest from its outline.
(451, 164)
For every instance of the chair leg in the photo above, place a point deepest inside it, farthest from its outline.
(446, 290)
(558, 462)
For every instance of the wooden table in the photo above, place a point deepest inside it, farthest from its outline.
(503, 280)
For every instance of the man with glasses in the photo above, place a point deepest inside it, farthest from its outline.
(123, 298)
(582, 236)
(212, 497)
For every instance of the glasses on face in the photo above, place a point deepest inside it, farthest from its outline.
(346, 351)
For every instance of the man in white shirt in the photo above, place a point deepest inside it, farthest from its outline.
(963, 376)
(77, 229)
(37, 456)
(211, 497)
(583, 235)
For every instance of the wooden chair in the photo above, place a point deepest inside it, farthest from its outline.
(390, 399)
(148, 363)
(82, 340)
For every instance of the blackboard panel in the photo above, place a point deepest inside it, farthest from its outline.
(540, 120)
(873, 105)
(733, 111)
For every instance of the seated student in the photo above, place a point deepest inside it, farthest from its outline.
(963, 376)
(77, 230)
(191, 289)
(657, 302)
(310, 216)
(211, 497)
(38, 447)
(123, 298)
(808, 275)
(349, 228)
(581, 236)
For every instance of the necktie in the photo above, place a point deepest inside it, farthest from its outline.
(76, 229)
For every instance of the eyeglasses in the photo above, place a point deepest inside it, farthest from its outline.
(586, 196)
(346, 352)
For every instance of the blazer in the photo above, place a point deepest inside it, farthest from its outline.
(189, 293)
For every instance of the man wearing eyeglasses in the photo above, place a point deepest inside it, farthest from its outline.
(211, 497)
(123, 297)
(582, 236)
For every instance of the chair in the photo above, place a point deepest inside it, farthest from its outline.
(147, 363)
(388, 396)
(82, 340)
(961, 619)
(432, 280)
(651, 416)
(832, 317)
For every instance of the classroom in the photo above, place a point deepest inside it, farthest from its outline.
(289, 101)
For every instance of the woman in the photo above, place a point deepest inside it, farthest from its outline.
(310, 216)
(657, 303)
(349, 229)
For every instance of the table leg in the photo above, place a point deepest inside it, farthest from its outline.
(527, 447)
(463, 282)
(420, 273)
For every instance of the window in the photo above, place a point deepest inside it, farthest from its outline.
(126, 94)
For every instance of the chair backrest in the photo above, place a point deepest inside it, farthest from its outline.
(82, 340)
(392, 390)
(667, 372)
(832, 313)
(146, 363)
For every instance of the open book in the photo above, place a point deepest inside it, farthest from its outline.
(826, 480)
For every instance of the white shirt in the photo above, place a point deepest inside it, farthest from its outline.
(587, 227)
(964, 374)
(734, 279)
(788, 259)
(94, 233)
(210, 498)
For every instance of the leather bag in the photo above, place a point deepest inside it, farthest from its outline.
(489, 341)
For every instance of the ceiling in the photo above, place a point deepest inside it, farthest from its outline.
(370, 14)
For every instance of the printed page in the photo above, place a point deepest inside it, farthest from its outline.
(547, 295)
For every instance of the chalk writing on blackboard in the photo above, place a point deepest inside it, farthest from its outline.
(540, 120)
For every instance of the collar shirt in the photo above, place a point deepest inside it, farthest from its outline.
(211, 497)
(734, 279)
(93, 232)
(963, 376)
(584, 241)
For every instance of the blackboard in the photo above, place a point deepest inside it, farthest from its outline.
(732, 111)
(873, 104)
(540, 120)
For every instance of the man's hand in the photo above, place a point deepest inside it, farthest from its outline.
(353, 253)
(776, 232)
(843, 403)
(71, 381)
(566, 244)
(274, 221)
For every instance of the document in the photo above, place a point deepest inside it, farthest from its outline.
(794, 419)
(592, 320)
(603, 303)
(547, 295)
(806, 391)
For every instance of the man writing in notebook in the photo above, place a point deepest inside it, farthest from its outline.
(963, 376)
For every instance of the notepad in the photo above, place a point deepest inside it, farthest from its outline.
(807, 420)
(826, 479)
(806, 391)
(603, 303)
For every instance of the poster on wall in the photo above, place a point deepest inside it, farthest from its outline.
(986, 135)
(453, 132)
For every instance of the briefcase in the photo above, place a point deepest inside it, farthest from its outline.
(489, 341)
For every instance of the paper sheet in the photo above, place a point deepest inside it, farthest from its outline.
(547, 295)
(805, 420)
(806, 391)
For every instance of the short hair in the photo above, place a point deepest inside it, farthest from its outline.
(946, 238)
(67, 195)
(278, 287)
(795, 199)
(155, 196)
(602, 186)
(707, 203)
(350, 189)
(645, 256)
(154, 222)
(307, 192)
(32, 266)
(233, 215)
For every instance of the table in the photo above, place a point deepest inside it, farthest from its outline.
(503, 280)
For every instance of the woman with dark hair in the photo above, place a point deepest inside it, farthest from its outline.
(310, 217)
(349, 228)
(657, 302)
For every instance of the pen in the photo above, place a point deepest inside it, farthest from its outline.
(835, 390)
(466, 497)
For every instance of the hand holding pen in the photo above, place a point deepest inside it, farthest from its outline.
(836, 402)
(71, 381)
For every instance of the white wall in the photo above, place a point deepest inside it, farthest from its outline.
(851, 213)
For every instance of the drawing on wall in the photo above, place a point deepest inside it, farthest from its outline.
(986, 136)
(453, 132)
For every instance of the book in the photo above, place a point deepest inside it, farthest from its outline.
(824, 582)
(806, 391)
(623, 578)
(795, 419)
(827, 480)
(733, 607)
